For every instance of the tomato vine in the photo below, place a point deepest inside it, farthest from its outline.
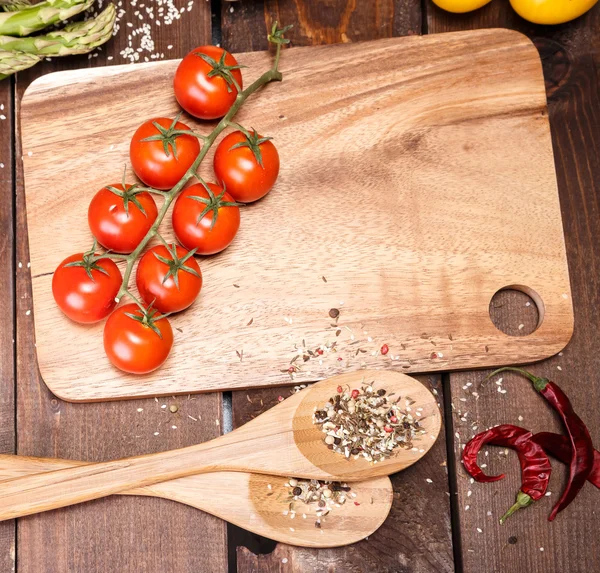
(273, 74)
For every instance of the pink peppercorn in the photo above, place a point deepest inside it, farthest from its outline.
(388, 429)
(385, 349)
(355, 393)
(339, 389)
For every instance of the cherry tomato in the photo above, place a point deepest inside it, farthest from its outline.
(120, 219)
(161, 152)
(247, 165)
(204, 82)
(135, 341)
(168, 278)
(84, 289)
(205, 220)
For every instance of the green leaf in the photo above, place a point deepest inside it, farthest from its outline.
(221, 69)
(276, 35)
(253, 142)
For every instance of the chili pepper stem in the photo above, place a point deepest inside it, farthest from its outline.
(523, 500)
(538, 383)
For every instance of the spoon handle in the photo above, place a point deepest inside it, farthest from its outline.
(45, 491)
(13, 467)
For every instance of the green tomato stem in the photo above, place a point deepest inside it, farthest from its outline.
(272, 75)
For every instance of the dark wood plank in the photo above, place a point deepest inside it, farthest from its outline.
(7, 273)
(115, 534)
(571, 61)
(245, 24)
(416, 535)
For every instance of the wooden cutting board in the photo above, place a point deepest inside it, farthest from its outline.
(417, 180)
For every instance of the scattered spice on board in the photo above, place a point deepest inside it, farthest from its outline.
(325, 495)
(367, 422)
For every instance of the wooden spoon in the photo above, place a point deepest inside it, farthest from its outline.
(253, 501)
(282, 441)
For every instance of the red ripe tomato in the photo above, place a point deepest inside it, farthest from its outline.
(85, 289)
(136, 341)
(120, 219)
(205, 82)
(247, 165)
(205, 218)
(168, 278)
(161, 152)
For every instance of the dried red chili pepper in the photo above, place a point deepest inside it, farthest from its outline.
(582, 449)
(535, 465)
(559, 447)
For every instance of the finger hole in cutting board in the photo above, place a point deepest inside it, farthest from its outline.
(517, 310)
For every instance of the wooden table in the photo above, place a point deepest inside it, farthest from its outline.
(447, 525)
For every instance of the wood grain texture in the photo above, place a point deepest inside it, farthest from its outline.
(284, 441)
(128, 535)
(258, 503)
(320, 22)
(415, 537)
(7, 278)
(425, 125)
(393, 547)
(571, 58)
